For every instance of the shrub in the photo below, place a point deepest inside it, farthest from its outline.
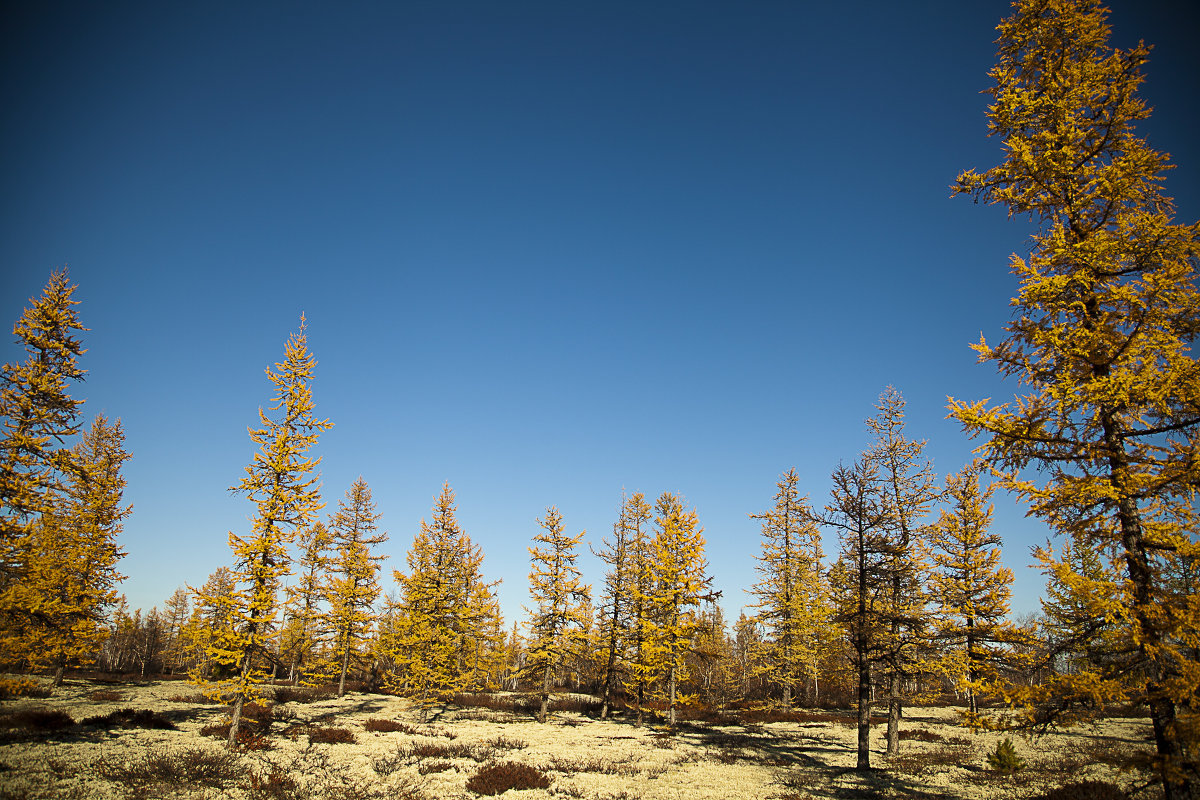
(194, 698)
(475, 752)
(11, 688)
(275, 784)
(301, 694)
(331, 736)
(389, 726)
(130, 718)
(506, 743)
(496, 779)
(249, 736)
(188, 766)
(38, 720)
(430, 767)
(1004, 758)
(1086, 790)
(106, 696)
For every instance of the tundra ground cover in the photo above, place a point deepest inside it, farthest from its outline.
(471, 751)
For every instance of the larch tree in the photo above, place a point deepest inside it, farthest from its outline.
(69, 575)
(304, 598)
(39, 415)
(176, 612)
(1107, 314)
(440, 612)
(859, 513)
(970, 587)
(792, 603)
(615, 604)
(642, 662)
(908, 490)
(282, 482)
(680, 583)
(353, 584)
(560, 601)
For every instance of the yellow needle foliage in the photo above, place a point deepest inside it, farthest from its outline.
(679, 583)
(282, 483)
(970, 588)
(446, 612)
(353, 583)
(792, 599)
(38, 415)
(1106, 317)
(562, 610)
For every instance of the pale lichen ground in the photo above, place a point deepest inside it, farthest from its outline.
(585, 758)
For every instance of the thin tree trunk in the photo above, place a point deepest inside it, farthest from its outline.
(894, 713)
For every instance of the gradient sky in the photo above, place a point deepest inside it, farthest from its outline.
(547, 250)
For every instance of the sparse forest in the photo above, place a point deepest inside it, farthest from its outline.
(912, 612)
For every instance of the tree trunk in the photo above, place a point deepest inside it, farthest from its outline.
(545, 694)
(671, 706)
(864, 712)
(345, 666)
(894, 713)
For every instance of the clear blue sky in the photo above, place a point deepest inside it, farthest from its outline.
(547, 250)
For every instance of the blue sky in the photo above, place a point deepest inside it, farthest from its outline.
(547, 251)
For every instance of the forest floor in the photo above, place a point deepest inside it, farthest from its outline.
(54, 747)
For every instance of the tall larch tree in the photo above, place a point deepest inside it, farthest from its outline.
(909, 489)
(560, 600)
(680, 584)
(615, 604)
(353, 585)
(970, 587)
(39, 416)
(282, 482)
(1107, 314)
(791, 600)
(858, 512)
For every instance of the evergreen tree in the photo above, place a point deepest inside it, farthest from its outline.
(353, 584)
(971, 588)
(1107, 315)
(792, 602)
(680, 582)
(560, 597)
(282, 483)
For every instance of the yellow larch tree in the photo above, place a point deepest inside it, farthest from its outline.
(560, 598)
(353, 583)
(792, 601)
(908, 489)
(301, 632)
(39, 415)
(970, 588)
(642, 660)
(1106, 316)
(282, 482)
(615, 624)
(679, 583)
(440, 614)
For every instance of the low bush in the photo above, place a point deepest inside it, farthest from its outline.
(302, 694)
(431, 767)
(275, 784)
(184, 767)
(12, 688)
(1086, 790)
(194, 698)
(318, 735)
(475, 752)
(496, 779)
(390, 726)
(106, 696)
(37, 720)
(131, 718)
(506, 743)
